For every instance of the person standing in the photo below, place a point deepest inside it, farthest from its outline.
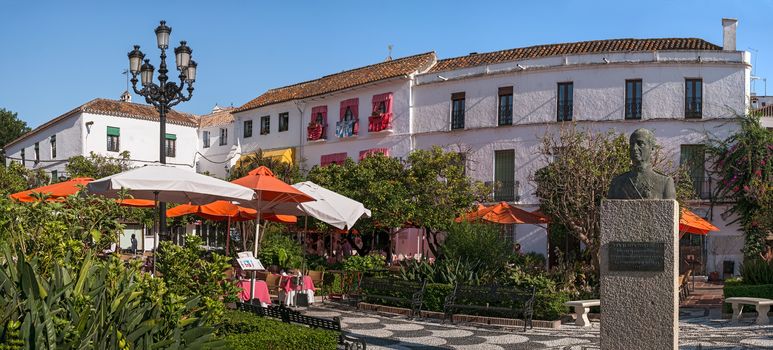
(134, 244)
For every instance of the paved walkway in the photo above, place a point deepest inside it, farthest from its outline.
(705, 294)
(699, 329)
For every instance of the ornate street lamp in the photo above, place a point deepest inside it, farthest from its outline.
(165, 94)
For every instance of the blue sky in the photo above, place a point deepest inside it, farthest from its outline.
(57, 55)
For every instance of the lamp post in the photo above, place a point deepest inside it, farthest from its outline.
(165, 94)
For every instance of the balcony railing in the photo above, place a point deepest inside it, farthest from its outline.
(693, 108)
(506, 191)
(565, 110)
(505, 115)
(633, 109)
(380, 122)
(346, 128)
(315, 132)
(703, 187)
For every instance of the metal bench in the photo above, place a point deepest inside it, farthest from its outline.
(399, 291)
(581, 309)
(510, 301)
(762, 306)
(290, 316)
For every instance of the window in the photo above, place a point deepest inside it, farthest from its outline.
(54, 176)
(171, 145)
(265, 125)
(457, 110)
(223, 137)
(505, 106)
(369, 152)
(633, 99)
(564, 107)
(504, 175)
(205, 137)
(37, 152)
(349, 116)
(53, 146)
(284, 121)
(693, 98)
(335, 158)
(23, 157)
(693, 157)
(247, 128)
(317, 129)
(113, 139)
(381, 114)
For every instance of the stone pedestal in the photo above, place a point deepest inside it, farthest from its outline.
(639, 270)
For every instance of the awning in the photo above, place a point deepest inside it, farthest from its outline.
(284, 155)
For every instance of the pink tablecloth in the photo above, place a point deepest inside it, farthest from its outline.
(286, 284)
(261, 291)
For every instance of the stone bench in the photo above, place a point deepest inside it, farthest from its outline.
(762, 305)
(581, 309)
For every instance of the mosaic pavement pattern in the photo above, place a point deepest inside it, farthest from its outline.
(698, 330)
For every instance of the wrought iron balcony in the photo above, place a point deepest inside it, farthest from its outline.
(693, 108)
(346, 128)
(633, 108)
(506, 191)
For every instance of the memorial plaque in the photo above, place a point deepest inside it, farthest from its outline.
(636, 256)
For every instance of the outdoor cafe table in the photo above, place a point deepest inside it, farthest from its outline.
(290, 290)
(261, 291)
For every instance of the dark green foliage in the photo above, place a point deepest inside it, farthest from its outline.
(97, 305)
(364, 263)
(448, 272)
(742, 290)
(435, 295)
(187, 272)
(16, 178)
(242, 330)
(477, 242)
(12, 128)
(530, 262)
(277, 248)
(757, 271)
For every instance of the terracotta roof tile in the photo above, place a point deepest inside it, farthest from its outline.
(220, 117)
(583, 47)
(343, 80)
(766, 111)
(119, 109)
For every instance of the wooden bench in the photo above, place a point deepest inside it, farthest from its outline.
(399, 291)
(762, 305)
(581, 309)
(510, 301)
(290, 316)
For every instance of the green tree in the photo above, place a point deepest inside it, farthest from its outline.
(580, 167)
(13, 127)
(743, 162)
(97, 166)
(440, 191)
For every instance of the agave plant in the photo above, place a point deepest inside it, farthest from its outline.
(97, 305)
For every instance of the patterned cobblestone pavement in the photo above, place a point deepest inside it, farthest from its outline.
(699, 329)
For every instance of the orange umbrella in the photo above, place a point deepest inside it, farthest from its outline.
(55, 191)
(504, 213)
(690, 222)
(136, 203)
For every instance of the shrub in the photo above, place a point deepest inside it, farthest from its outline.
(447, 271)
(530, 261)
(735, 289)
(364, 263)
(757, 271)
(277, 248)
(476, 242)
(242, 330)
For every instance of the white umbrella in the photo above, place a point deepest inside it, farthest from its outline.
(170, 184)
(330, 207)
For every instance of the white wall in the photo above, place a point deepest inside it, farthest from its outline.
(215, 154)
(140, 138)
(68, 144)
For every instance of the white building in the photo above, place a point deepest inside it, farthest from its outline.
(496, 106)
(216, 142)
(106, 127)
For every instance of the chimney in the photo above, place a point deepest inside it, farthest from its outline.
(729, 26)
(126, 96)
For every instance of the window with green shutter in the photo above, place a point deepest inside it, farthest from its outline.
(113, 139)
(504, 175)
(171, 145)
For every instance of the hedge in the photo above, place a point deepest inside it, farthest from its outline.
(547, 306)
(737, 289)
(245, 331)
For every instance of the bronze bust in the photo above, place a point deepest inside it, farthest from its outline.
(642, 182)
